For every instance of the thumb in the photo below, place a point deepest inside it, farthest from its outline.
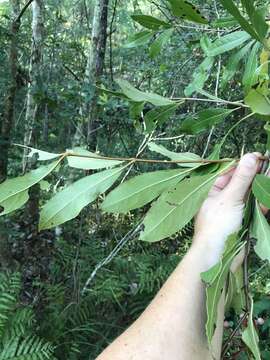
(243, 177)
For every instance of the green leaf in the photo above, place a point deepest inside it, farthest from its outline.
(224, 22)
(250, 77)
(215, 288)
(113, 93)
(234, 11)
(261, 189)
(68, 203)
(238, 300)
(250, 336)
(141, 190)
(139, 96)
(159, 42)
(258, 102)
(176, 207)
(204, 120)
(175, 156)
(257, 17)
(14, 192)
(233, 64)
(42, 155)
(88, 163)
(187, 11)
(150, 22)
(139, 39)
(226, 43)
(158, 116)
(200, 76)
(261, 231)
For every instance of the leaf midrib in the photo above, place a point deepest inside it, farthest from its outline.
(148, 186)
(79, 194)
(181, 203)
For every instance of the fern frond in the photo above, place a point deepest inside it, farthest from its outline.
(30, 348)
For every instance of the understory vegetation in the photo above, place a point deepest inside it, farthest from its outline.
(114, 116)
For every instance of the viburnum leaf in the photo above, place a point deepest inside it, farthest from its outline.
(175, 156)
(218, 276)
(89, 163)
(177, 206)
(14, 192)
(261, 189)
(204, 120)
(68, 203)
(139, 39)
(150, 22)
(187, 11)
(261, 231)
(159, 42)
(258, 102)
(139, 96)
(250, 336)
(42, 155)
(226, 43)
(141, 189)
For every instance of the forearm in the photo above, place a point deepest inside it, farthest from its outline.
(173, 325)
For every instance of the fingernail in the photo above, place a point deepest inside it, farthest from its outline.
(249, 160)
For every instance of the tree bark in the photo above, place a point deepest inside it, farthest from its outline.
(8, 113)
(95, 66)
(35, 75)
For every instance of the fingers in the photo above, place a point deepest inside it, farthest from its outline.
(221, 182)
(243, 176)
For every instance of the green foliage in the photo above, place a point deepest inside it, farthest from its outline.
(225, 61)
(17, 339)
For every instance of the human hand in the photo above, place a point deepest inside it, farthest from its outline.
(222, 212)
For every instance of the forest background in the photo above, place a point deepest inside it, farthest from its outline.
(67, 292)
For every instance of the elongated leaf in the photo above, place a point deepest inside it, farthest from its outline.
(67, 204)
(261, 231)
(238, 299)
(42, 155)
(233, 64)
(187, 11)
(176, 207)
(200, 76)
(175, 156)
(139, 96)
(250, 77)
(224, 22)
(227, 43)
(88, 163)
(159, 42)
(150, 22)
(250, 336)
(14, 203)
(204, 120)
(258, 102)
(112, 93)
(261, 189)
(14, 192)
(139, 39)
(218, 276)
(141, 189)
(234, 11)
(257, 17)
(158, 116)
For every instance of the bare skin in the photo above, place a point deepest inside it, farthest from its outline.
(173, 326)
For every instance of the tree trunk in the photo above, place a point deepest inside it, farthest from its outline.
(8, 113)
(94, 69)
(35, 76)
(6, 125)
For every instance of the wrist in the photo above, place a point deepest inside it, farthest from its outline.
(210, 245)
